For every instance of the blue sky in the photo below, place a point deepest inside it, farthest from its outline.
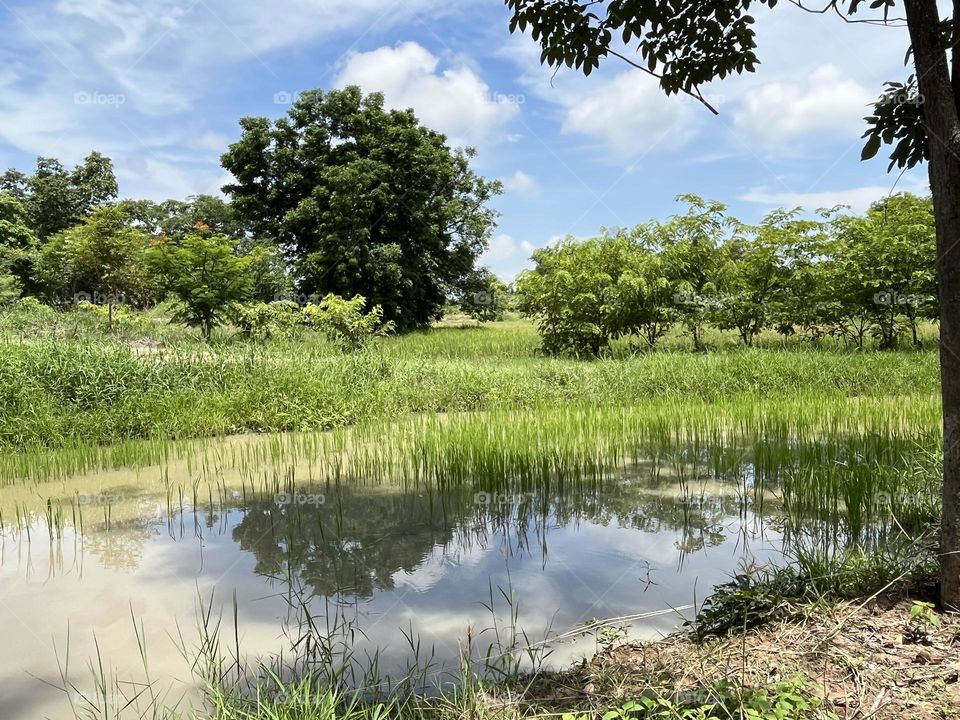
(159, 86)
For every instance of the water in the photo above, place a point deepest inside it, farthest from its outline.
(380, 563)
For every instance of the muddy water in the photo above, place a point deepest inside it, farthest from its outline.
(139, 556)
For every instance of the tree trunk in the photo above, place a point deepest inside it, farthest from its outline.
(110, 315)
(943, 131)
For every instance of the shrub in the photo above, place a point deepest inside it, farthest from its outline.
(345, 323)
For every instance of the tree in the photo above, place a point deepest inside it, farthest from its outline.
(50, 205)
(483, 296)
(94, 183)
(15, 183)
(102, 260)
(18, 244)
(363, 200)
(270, 280)
(179, 218)
(694, 261)
(345, 323)
(896, 245)
(685, 45)
(586, 293)
(205, 274)
(759, 267)
(56, 199)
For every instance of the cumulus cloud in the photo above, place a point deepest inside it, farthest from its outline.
(826, 102)
(521, 183)
(454, 100)
(505, 247)
(630, 114)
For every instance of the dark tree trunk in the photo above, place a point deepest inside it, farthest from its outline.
(943, 130)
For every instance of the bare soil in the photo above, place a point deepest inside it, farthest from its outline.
(866, 659)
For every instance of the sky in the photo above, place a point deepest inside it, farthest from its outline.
(159, 86)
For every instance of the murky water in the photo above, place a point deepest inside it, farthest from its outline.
(144, 553)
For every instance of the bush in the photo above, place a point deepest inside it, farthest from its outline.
(262, 321)
(344, 322)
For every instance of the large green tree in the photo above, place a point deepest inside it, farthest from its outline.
(363, 200)
(685, 45)
(56, 198)
(585, 293)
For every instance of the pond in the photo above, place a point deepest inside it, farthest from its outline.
(128, 571)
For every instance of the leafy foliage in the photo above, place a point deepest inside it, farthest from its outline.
(483, 296)
(679, 43)
(102, 257)
(345, 323)
(206, 276)
(848, 276)
(18, 247)
(363, 200)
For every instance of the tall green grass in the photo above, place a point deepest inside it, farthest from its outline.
(60, 394)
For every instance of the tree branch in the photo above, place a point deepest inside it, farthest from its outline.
(695, 94)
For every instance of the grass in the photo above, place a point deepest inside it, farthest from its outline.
(58, 393)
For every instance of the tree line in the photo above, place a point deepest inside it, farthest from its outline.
(841, 274)
(341, 197)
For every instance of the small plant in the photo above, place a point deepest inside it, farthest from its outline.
(923, 621)
(787, 700)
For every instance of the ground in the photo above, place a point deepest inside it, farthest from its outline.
(867, 659)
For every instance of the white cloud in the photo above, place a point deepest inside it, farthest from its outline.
(164, 59)
(630, 114)
(522, 184)
(858, 198)
(505, 247)
(825, 103)
(455, 101)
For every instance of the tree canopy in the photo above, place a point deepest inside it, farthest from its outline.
(363, 200)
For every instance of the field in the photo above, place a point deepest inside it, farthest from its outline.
(343, 474)
(61, 391)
